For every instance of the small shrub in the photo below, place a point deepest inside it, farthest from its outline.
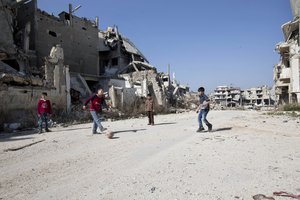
(291, 107)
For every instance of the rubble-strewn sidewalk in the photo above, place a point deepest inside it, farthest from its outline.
(247, 154)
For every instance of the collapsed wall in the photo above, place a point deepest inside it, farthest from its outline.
(20, 93)
(128, 95)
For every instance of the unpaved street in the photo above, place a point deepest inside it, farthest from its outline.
(248, 153)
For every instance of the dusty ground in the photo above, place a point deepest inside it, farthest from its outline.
(247, 154)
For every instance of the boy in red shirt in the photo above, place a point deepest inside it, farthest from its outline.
(97, 102)
(44, 111)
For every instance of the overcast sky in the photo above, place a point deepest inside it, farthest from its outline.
(206, 42)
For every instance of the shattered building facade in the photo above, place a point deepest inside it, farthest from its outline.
(228, 96)
(258, 96)
(287, 71)
(68, 57)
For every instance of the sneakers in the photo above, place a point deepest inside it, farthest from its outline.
(200, 129)
(209, 127)
(103, 129)
(46, 130)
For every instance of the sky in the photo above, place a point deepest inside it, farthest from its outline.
(206, 42)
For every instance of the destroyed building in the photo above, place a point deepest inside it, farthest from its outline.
(287, 71)
(228, 96)
(258, 96)
(68, 57)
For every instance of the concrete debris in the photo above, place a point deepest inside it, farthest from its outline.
(18, 79)
(12, 126)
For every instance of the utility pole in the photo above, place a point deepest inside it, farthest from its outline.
(70, 13)
(97, 22)
(169, 77)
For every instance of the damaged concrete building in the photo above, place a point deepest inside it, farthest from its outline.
(287, 71)
(258, 96)
(228, 96)
(68, 57)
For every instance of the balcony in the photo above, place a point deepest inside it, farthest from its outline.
(285, 75)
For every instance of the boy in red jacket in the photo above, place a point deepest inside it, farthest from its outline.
(97, 102)
(44, 110)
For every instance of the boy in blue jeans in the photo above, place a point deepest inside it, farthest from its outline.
(44, 111)
(203, 110)
(97, 102)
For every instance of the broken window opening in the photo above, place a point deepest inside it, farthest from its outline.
(52, 33)
(67, 16)
(83, 28)
(12, 63)
(102, 65)
(137, 84)
(114, 61)
(105, 62)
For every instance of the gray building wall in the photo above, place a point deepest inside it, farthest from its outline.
(19, 104)
(78, 37)
(6, 33)
(79, 41)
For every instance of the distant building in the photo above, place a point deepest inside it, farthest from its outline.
(259, 96)
(228, 96)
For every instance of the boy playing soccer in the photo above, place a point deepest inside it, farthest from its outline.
(203, 110)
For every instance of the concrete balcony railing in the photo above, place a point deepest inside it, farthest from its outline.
(285, 74)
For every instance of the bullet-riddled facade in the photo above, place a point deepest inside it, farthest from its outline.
(287, 71)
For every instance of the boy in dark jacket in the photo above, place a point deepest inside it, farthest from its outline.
(149, 107)
(44, 111)
(203, 110)
(97, 102)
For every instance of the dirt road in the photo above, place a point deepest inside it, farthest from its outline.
(248, 153)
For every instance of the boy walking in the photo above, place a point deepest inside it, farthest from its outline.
(97, 102)
(149, 107)
(203, 110)
(44, 110)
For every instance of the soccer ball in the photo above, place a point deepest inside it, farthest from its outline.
(109, 134)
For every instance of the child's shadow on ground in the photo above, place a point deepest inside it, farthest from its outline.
(222, 129)
(124, 131)
(131, 130)
(165, 123)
